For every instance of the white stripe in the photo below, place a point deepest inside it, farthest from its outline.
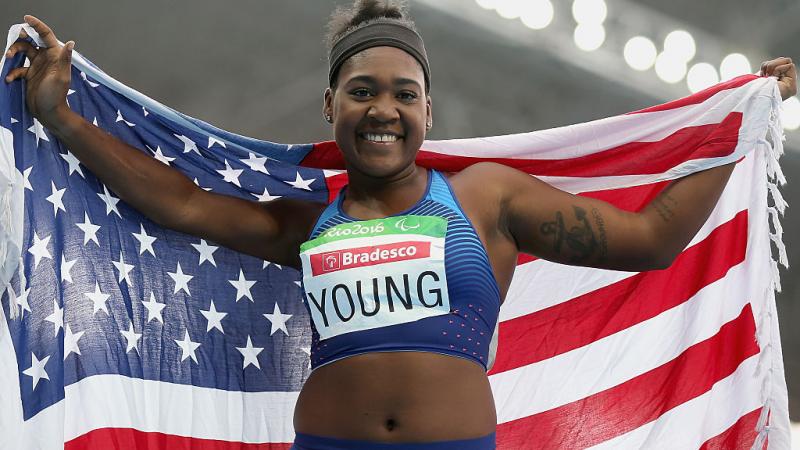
(598, 135)
(587, 370)
(332, 173)
(576, 185)
(705, 416)
(540, 284)
(561, 282)
(117, 401)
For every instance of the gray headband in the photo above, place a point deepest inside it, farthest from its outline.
(376, 34)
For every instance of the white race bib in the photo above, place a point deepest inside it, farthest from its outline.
(375, 273)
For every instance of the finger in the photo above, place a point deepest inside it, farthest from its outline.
(65, 58)
(791, 71)
(18, 72)
(24, 47)
(45, 33)
(783, 71)
(23, 34)
(761, 71)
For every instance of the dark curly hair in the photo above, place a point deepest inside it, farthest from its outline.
(362, 12)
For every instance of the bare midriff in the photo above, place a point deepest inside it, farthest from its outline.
(397, 397)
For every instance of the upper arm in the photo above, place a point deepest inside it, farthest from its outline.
(271, 231)
(571, 229)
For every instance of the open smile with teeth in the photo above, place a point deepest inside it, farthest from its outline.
(379, 137)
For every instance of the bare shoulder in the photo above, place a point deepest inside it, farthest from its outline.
(482, 189)
(474, 184)
(490, 181)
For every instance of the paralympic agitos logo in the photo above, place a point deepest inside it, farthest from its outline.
(327, 262)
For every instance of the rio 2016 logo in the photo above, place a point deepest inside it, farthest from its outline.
(403, 226)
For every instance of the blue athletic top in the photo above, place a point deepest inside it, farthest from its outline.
(419, 280)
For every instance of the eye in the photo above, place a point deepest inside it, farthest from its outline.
(360, 92)
(407, 96)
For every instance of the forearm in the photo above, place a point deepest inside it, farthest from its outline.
(154, 189)
(678, 212)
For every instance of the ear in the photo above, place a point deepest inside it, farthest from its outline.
(327, 104)
(429, 112)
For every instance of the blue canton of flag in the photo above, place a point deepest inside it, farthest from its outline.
(102, 290)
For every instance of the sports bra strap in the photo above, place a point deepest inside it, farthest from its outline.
(442, 192)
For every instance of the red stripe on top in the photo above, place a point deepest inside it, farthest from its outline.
(701, 96)
(741, 434)
(582, 320)
(633, 158)
(640, 400)
(130, 439)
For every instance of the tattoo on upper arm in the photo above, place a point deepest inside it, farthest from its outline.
(662, 206)
(601, 229)
(557, 228)
(580, 239)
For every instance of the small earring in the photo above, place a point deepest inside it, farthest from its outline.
(328, 118)
(429, 125)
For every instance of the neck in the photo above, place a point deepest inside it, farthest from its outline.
(369, 198)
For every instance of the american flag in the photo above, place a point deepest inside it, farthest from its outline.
(116, 333)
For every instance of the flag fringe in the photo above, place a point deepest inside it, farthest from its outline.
(766, 360)
(772, 144)
(775, 176)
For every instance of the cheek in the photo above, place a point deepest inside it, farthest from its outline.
(345, 122)
(416, 125)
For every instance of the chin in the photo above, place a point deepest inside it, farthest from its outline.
(382, 167)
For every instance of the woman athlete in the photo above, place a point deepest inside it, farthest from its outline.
(405, 259)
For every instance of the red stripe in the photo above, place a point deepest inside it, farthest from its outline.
(582, 320)
(701, 96)
(741, 434)
(640, 400)
(324, 155)
(335, 184)
(633, 198)
(130, 439)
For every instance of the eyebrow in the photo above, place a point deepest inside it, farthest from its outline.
(371, 80)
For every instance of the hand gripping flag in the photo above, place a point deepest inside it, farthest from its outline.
(115, 333)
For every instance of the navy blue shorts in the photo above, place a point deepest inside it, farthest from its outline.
(309, 442)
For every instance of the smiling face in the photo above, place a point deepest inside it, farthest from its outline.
(379, 110)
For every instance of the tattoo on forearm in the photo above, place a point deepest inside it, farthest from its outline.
(580, 238)
(662, 206)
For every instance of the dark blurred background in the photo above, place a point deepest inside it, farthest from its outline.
(258, 67)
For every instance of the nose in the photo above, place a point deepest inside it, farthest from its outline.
(383, 109)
